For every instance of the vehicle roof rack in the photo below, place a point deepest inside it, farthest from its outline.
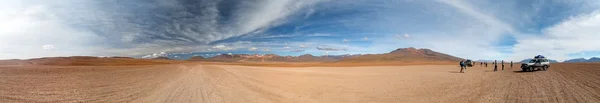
(539, 57)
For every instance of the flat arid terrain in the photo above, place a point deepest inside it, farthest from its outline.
(197, 82)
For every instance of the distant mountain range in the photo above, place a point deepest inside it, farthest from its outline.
(593, 59)
(273, 58)
(398, 55)
(196, 58)
(162, 58)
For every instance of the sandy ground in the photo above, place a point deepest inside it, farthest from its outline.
(193, 83)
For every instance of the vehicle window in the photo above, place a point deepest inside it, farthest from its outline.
(532, 61)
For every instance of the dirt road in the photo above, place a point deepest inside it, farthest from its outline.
(244, 84)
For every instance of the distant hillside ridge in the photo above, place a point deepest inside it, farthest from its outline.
(405, 55)
(578, 60)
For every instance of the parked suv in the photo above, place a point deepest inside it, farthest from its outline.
(537, 63)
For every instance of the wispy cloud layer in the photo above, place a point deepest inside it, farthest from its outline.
(127, 25)
(330, 49)
(575, 35)
(509, 29)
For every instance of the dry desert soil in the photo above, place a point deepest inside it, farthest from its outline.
(216, 83)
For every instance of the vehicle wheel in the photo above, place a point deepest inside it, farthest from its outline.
(531, 69)
(545, 68)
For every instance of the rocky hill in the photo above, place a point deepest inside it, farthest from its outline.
(404, 55)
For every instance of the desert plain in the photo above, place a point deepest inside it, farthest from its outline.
(207, 82)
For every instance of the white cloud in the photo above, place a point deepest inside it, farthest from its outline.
(398, 36)
(48, 47)
(330, 49)
(302, 46)
(26, 27)
(404, 36)
(155, 55)
(269, 13)
(575, 35)
(253, 49)
(309, 13)
(219, 46)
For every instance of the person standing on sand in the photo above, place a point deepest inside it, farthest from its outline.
(511, 64)
(485, 64)
(463, 67)
(502, 64)
(495, 65)
(480, 63)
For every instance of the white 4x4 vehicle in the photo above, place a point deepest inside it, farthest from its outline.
(538, 63)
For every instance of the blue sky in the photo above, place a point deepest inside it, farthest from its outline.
(474, 29)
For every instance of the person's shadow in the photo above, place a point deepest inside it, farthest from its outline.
(454, 71)
(489, 71)
(523, 71)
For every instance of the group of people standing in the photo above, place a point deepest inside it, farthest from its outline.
(463, 65)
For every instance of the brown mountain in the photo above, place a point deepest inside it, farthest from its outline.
(161, 58)
(227, 58)
(196, 58)
(308, 58)
(404, 55)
